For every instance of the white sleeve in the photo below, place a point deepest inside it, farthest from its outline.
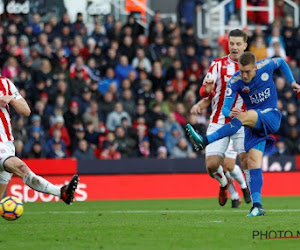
(13, 89)
(212, 72)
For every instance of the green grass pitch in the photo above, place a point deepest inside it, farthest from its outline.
(150, 224)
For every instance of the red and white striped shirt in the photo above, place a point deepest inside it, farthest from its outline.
(7, 88)
(221, 71)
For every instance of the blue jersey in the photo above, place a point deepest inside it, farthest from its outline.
(260, 92)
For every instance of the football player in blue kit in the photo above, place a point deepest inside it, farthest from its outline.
(254, 82)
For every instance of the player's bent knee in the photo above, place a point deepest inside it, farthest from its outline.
(16, 166)
(252, 163)
(229, 164)
(213, 163)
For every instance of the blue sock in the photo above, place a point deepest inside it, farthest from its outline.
(226, 130)
(256, 181)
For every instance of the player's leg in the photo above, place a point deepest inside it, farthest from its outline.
(248, 118)
(15, 165)
(4, 179)
(215, 153)
(228, 164)
(238, 146)
(2, 190)
(254, 161)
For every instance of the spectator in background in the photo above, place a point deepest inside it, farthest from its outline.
(141, 61)
(258, 47)
(11, 68)
(295, 69)
(125, 144)
(186, 10)
(108, 80)
(114, 117)
(162, 153)
(128, 103)
(179, 83)
(276, 50)
(158, 49)
(84, 152)
(107, 104)
(36, 151)
(64, 134)
(19, 130)
(93, 115)
(79, 134)
(123, 68)
(19, 146)
(159, 100)
(281, 147)
(157, 77)
(35, 137)
(79, 66)
(173, 138)
(110, 153)
(91, 134)
(183, 150)
(57, 151)
(143, 150)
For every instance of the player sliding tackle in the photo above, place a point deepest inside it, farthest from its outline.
(9, 163)
(254, 82)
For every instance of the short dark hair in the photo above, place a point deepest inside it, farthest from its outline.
(247, 58)
(238, 33)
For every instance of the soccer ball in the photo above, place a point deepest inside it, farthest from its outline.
(11, 208)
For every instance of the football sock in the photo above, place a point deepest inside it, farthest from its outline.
(231, 189)
(226, 130)
(256, 181)
(237, 174)
(219, 175)
(247, 177)
(38, 183)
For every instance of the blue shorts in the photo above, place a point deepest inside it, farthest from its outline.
(268, 123)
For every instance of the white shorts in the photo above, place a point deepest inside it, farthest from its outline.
(7, 149)
(222, 147)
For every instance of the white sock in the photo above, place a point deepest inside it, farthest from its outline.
(231, 189)
(40, 184)
(220, 177)
(237, 174)
(247, 175)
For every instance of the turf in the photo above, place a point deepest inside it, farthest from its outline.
(150, 224)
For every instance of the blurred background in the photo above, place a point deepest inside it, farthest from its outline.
(116, 79)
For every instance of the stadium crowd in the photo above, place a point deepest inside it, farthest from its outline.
(106, 90)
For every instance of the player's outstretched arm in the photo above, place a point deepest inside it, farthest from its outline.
(286, 71)
(21, 106)
(199, 106)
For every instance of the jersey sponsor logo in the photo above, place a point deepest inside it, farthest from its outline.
(246, 89)
(260, 97)
(228, 92)
(265, 77)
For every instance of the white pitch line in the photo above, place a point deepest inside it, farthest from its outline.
(161, 211)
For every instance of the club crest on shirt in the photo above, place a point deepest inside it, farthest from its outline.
(246, 89)
(264, 77)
